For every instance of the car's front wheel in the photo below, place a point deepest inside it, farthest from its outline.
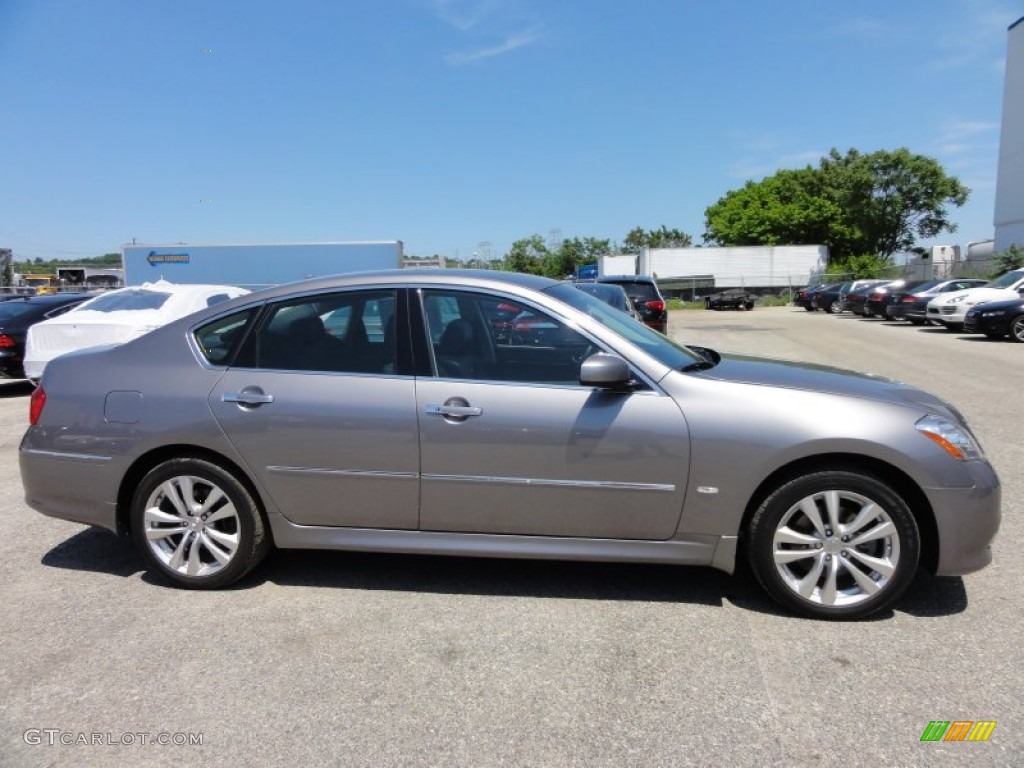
(197, 524)
(834, 545)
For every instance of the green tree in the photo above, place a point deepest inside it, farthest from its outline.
(638, 238)
(878, 203)
(527, 255)
(1011, 258)
(573, 253)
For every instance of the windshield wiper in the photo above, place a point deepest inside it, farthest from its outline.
(700, 365)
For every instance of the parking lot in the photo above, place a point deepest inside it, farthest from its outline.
(351, 659)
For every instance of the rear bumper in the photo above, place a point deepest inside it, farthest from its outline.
(70, 486)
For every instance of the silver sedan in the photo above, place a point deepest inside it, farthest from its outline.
(502, 415)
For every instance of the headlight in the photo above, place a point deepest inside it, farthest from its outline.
(954, 440)
(994, 313)
(956, 300)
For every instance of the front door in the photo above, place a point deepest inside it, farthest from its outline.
(511, 443)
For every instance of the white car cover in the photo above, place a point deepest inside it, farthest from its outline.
(116, 317)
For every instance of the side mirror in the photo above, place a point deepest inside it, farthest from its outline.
(605, 371)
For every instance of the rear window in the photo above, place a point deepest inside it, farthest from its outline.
(129, 300)
(643, 291)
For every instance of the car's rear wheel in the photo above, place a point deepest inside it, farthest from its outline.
(1017, 328)
(197, 524)
(916, 321)
(834, 545)
(994, 335)
(836, 307)
(808, 308)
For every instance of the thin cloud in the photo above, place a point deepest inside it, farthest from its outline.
(464, 15)
(510, 44)
(871, 29)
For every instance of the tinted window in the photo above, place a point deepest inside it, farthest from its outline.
(351, 332)
(128, 300)
(642, 291)
(488, 338)
(219, 339)
(650, 341)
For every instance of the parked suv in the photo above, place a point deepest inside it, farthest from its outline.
(646, 298)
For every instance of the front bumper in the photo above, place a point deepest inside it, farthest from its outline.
(967, 520)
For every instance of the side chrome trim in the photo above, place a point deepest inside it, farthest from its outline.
(67, 455)
(344, 472)
(600, 484)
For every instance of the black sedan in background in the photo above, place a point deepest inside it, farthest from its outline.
(17, 314)
(647, 299)
(997, 319)
(805, 297)
(827, 297)
(883, 297)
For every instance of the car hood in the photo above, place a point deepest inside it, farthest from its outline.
(743, 369)
(975, 296)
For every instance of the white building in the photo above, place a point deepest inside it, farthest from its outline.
(1009, 214)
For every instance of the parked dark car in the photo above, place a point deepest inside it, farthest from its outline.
(857, 298)
(733, 298)
(914, 307)
(828, 298)
(881, 298)
(612, 295)
(275, 419)
(896, 302)
(17, 314)
(997, 319)
(646, 298)
(805, 297)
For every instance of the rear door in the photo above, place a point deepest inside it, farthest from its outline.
(318, 408)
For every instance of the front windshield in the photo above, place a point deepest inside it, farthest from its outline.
(660, 347)
(1007, 280)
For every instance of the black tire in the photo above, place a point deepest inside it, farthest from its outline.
(809, 308)
(889, 559)
(1017, 329)
(994, 336)
(213, 541)
(916, 321)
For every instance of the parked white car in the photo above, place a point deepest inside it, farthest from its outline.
(116, 317)
(949, 309)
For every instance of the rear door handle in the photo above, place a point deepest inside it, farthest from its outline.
(453, 410)
(246, 397)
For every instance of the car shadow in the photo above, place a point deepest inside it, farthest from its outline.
(15, 388)
(99, 551)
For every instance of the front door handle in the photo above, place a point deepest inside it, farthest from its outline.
(247, 397)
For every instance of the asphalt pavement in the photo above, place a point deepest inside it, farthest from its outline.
(321, 658)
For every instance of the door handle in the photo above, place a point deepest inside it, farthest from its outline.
(246, 397)
(453, 410)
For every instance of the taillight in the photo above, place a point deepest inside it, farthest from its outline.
(909, 299)
(657, 305)
(6, 341)
(36, 404)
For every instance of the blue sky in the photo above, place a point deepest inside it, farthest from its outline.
(448, 123)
